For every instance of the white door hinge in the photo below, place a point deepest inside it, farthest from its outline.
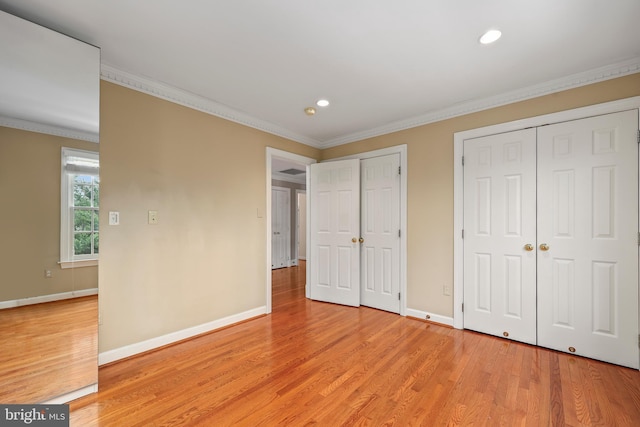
(398, 296)
(462, 160)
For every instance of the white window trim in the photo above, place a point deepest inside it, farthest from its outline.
(67, 259)
(78, 263)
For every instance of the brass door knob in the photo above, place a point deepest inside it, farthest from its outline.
(544, 247)
(361, 240)
(528, 247)
(354, 240)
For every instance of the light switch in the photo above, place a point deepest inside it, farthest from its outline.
(114, 218)
(153, 217)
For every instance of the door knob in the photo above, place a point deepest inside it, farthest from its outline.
(361, 240)
(354, 240)
(528, 247)
(544, 247)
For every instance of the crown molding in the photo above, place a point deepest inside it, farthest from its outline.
(620, 69)
(297, 179)
(30, 126)
(197, 102)
(190, 100)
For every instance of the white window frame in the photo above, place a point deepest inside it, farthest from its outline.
(68, 171)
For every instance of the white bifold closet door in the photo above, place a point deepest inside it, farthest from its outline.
(588, 220)
(551, 236)
(334, 232)
(380, 232)
(499, 223)
(354, 232)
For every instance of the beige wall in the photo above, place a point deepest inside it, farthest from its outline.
(30, 217)
(206, 177)
(430, 181)
(205, 260)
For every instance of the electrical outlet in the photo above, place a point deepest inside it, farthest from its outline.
(48, 274)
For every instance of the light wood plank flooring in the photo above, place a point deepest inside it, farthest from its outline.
(312, 363)
(48, 349)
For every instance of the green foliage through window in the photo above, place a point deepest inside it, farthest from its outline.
(86, 197)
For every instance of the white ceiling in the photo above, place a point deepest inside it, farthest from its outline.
(384, 65)
(278, 165)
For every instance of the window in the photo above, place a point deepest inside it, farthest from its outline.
(80, 202)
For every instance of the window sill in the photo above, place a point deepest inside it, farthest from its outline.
(78, 263)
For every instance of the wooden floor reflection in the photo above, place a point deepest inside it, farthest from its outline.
(312, 363)
(48, 349)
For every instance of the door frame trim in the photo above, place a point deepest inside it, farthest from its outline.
(402, 151)
(270, 154)
(458, 177)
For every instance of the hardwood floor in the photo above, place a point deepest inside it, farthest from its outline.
(312, 363)
(48, 349)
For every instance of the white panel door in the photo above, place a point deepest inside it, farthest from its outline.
(280, 227)
(379, 228)
(499, 224)
(588, 237)
(334, 230)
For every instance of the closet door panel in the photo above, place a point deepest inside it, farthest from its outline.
(499, 223)
(588, 237)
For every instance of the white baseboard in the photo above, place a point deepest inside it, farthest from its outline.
(153, 343)
(68, 397)
(436, 318)
(48, 298)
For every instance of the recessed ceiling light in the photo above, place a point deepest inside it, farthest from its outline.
(490, 36)
(322, 103)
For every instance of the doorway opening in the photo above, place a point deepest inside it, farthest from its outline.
(283, 170)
